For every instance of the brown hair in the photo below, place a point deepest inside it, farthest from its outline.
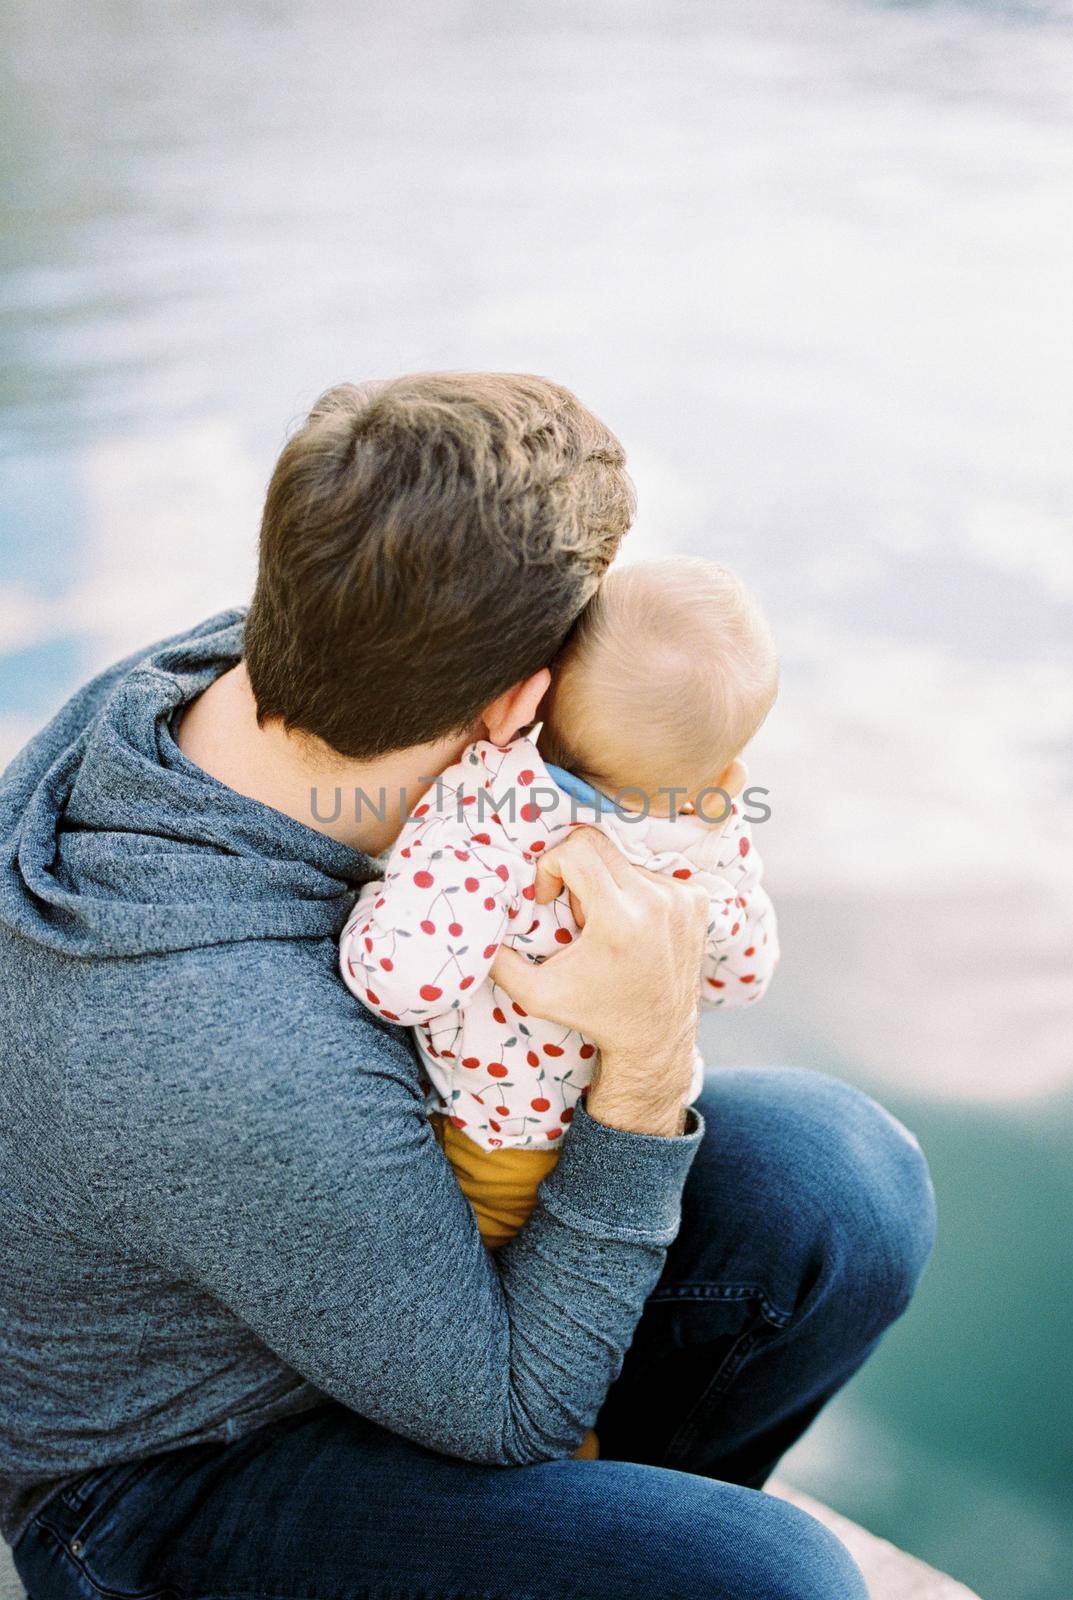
(426, 543)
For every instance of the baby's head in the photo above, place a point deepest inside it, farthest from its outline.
(667, 676)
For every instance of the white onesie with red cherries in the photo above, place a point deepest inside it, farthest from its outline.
(419, 946)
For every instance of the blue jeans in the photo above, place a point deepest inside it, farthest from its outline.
(807, 1220)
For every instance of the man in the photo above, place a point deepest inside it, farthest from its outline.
(251, 1341)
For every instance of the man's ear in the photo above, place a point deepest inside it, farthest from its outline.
(516, 707)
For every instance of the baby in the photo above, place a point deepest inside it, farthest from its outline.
(660, 687)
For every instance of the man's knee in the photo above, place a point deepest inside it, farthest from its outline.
(692, 1538)
(882, 1223)
(788, 1555)
(839, 1185)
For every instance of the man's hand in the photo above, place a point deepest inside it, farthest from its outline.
(629, 982)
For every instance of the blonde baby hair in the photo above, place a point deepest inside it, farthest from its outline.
(667, 676)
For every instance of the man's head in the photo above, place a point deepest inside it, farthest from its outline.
(426, 544)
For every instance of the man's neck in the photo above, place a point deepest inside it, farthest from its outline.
(363, 804)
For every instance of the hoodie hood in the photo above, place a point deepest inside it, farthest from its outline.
(112, 843)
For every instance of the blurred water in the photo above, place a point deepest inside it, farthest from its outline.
(812, 259)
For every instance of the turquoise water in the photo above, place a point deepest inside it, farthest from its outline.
(811, 258)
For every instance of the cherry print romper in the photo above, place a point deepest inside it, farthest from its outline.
(419, 946)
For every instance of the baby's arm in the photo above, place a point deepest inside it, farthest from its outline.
(420, 940)
(742, 948)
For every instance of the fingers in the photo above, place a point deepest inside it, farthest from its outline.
(548, 877)
(511, 971)
(683, 905)
(603, 884)
(535, 985)
(587, 862)
(594, 980)
(679, 893)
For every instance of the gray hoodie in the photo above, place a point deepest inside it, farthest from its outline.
(221, 1197)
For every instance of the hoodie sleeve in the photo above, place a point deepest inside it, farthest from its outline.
(280, 1163)
(742, 947)
(417, 943)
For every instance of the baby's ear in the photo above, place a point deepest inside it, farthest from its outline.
(734, 779)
